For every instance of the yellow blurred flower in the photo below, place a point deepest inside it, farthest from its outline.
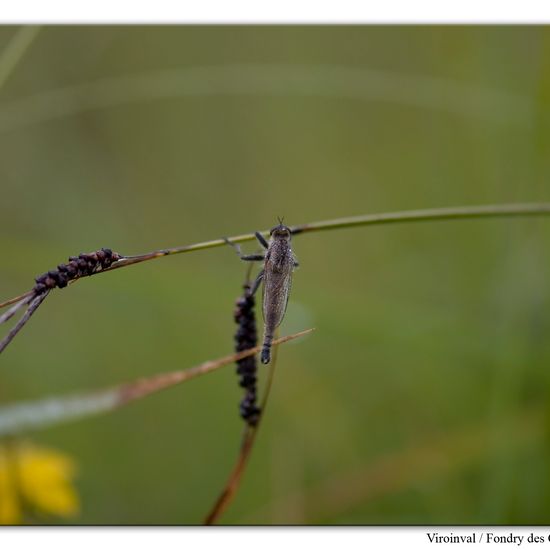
(35, 479)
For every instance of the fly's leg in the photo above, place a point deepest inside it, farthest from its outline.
(245, 257)
(261, 240)
(253, 258)
(236, 246)
(256, 283)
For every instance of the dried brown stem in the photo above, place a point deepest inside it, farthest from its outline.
(249, 437)
(33, 306)
(16, 299)
(21, 417)
(141, 388)
(15, 308)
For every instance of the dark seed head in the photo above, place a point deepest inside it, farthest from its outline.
(83, 264)
(49, 282)
(41, 278)
(246, 338)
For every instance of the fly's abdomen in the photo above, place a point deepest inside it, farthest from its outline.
(265, 357)
(276, 290)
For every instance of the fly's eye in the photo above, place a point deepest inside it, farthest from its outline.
(280, 231)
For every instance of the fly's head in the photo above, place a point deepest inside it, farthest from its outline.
(280, 232)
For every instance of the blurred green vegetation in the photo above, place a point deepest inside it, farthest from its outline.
(423, 395)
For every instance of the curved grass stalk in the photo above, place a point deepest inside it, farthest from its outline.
(27, 416)
(433, 214)
(430, 214)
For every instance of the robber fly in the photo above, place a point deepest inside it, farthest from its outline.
(276, 275)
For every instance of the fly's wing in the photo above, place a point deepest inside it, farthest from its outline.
(275, 297)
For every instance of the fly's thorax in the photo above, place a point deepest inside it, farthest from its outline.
(279, 257)
(279, 237)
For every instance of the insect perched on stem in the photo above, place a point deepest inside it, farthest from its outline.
(279, 263)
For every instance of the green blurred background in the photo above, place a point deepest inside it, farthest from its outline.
(423, 395)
